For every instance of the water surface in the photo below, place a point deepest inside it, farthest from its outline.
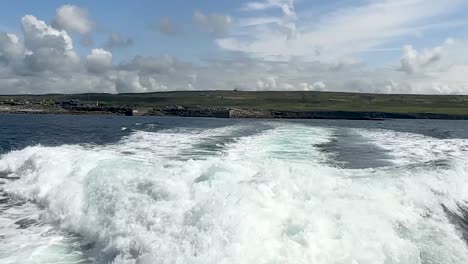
(98, 189)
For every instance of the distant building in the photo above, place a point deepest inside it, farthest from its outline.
(69, 103)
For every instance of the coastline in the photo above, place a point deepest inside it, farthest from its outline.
(233, 113)
(245, 104)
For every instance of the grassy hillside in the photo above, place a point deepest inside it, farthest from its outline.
(281, 101)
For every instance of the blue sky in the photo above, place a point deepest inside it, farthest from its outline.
(130, 18)
(410, 43)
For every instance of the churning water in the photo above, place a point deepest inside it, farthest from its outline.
(163, 190)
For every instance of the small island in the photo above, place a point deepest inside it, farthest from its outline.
(245, 104)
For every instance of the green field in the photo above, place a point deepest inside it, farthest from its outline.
(271, 101)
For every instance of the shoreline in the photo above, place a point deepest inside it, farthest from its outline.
(239, 114)
(244, 104)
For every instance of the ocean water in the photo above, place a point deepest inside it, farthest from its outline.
(97, 189)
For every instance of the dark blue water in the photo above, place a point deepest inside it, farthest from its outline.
(20, 131)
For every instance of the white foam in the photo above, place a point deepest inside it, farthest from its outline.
(37, 243)
(268, 198)
(407, 148)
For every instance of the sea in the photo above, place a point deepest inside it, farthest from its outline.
(144, 190)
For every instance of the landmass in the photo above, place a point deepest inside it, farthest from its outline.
(244, 104)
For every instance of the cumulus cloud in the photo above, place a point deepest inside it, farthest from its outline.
(47, 47)
(317, 86)
(129, 81)
(10, 47)
(73, 19)
(49, 64)
(99, 61)
(116, 40)
(216, 24)
(414, 61)
(37, 35)
(267, 83)
(451, 80)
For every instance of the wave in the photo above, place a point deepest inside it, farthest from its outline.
(269, 197)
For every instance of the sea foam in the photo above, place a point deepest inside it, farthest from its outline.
(271, 197)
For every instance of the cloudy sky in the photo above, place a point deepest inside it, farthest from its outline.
(385, 46)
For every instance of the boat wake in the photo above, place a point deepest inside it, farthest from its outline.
(273, 196)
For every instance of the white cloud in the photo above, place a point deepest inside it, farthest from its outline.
(73, 19)
(10, 47)
(317, 86)
(332, 35)
(99, 61)
(47, 49)
(258, 21)
(414, 61)
(37, 35)
(45, 61)
(215, 24)
(267, 83)
(285, 25)
(449, 81)
(287, 6)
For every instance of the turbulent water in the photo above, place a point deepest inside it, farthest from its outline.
(162, 190)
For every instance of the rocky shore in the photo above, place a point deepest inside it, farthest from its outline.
(226, 113)
(350, 115)
(263, 114)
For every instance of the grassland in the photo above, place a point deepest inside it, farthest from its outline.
(274, 101)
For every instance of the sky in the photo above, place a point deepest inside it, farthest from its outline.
(378, 46)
